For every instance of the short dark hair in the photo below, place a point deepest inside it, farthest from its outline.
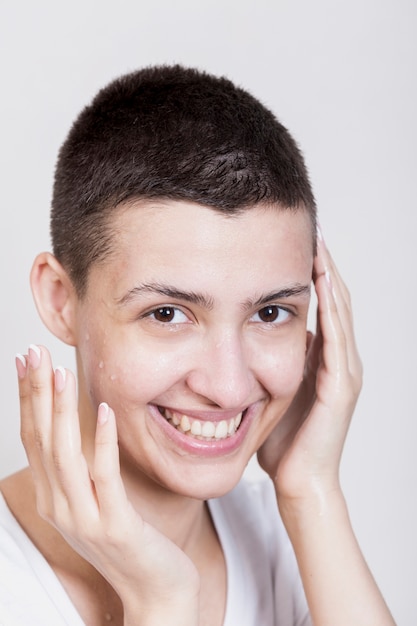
(168, 132)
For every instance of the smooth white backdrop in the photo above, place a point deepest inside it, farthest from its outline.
(342, 77)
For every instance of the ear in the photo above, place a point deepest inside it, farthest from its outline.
(55, 297)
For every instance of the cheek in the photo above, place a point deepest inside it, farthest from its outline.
(281, 370)
(126, 375)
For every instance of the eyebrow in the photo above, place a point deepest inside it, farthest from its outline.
(207, 302)
(282, 294)
(201, 299)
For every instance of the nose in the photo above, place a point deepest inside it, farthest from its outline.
(223, 375)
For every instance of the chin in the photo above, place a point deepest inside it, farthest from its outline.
(206, 483)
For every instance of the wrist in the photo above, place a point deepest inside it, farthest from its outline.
(174, 608)
(318, 504)
(171, 618)
(176, 614)
(307, 488)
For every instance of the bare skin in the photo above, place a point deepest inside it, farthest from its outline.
(94, 598)
(124, 505)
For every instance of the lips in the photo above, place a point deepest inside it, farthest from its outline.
(206, 430)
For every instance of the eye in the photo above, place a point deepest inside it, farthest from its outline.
(271, 314)
(168, 314)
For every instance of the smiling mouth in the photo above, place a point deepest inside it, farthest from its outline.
(202, 429)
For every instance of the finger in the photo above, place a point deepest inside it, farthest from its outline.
(334, 345)
(341, 295)
(40, 376)
(27, 433)
(109, 486)
(324, 265)
(26, 420)
(327, 264)
(69, 473)
(344, 304)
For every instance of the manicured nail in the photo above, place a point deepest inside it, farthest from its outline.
(319, 233)
(60, 378)
(34, 353)
(103, 413)
(21, 365)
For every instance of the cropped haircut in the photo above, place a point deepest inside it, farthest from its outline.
(171, 133)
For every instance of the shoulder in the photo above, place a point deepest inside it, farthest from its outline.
(29, 590)
(18, 492)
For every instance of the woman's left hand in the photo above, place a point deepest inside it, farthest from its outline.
(302, 454)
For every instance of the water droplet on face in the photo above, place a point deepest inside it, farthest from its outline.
(101, 365)
(113, 377)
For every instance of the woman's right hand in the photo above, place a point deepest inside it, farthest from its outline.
(156, 582)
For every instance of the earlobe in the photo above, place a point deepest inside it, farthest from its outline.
(54, 296)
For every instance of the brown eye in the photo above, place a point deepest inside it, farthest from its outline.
(167, 314)
(164, 314)
(270, 314)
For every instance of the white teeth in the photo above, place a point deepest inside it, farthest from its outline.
(221, 430)
(185, 424)
(196, 428)
(202, 429)
(208, 429)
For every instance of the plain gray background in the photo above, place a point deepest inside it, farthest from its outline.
(342, 77)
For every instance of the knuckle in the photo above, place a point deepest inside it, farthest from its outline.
(58, 461)
(38, 388)
(60, 520)
(44, 510)
(23, 394)
(101, 476)
(39, 439)
(355, 386)
(26, 436)
(55, 515)
(357, 376)
(358, 385)
(91, 534)
(59, 410)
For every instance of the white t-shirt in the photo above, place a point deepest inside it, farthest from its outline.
(263, 583)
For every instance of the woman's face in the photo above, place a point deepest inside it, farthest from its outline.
(194, 332)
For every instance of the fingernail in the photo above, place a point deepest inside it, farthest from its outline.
(103, 413)
(319, 233)
(60, 378)
(21, 365)
(34, 353)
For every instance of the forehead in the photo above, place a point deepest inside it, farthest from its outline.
(189, 239)
(185, 219)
